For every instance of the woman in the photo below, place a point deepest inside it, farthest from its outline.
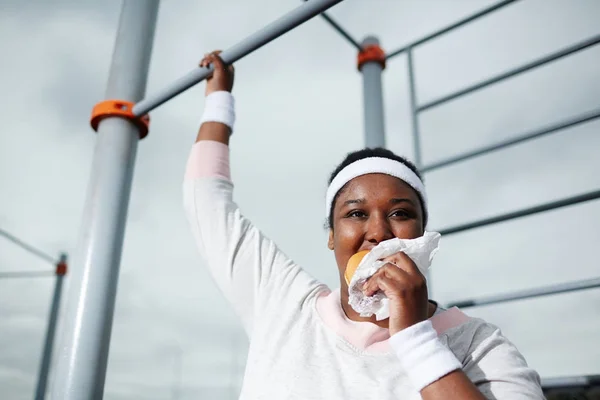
(306, 342)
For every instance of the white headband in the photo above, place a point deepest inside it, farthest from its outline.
(374, 165)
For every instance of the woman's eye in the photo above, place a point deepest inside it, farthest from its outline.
(356, 214)
(400, 213)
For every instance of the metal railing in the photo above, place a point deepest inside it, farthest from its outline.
(416, 109)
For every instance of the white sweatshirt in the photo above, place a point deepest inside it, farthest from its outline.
(302, 346)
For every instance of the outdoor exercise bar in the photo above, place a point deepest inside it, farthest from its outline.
(253, 42)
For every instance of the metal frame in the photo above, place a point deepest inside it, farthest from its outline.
(59, 272)
(82, 366)
(416, 109)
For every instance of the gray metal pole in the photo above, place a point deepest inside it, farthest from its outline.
(373, 97)
(253, 42)
(414, 112)
(81, 366)
(61, 270)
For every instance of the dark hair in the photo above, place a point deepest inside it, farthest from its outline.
(367, 153)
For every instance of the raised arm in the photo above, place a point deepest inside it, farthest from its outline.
(250, 270)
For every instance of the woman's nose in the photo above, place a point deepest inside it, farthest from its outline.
(378, 229)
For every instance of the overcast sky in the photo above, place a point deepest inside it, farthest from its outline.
(299, 107)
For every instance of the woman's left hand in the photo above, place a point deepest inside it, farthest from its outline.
(405, 287)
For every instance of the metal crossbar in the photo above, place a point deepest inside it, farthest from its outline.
(569, 201)
(529, 293)
(451, 27)
(26, 274)
(27, 247)
(522, 138)
(516, 71)
(339, 29)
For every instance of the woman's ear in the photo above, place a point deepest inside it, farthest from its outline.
(330, 241)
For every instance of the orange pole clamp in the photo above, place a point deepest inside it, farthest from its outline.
(371, 53)
(61, 268)
(119, 108)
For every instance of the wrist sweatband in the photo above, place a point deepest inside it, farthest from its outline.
(422, 355)
(219, 107)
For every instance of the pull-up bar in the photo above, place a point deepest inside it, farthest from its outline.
(253, 42)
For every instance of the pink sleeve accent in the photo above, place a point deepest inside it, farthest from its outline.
(362, 335)
(208, 158)
(448, 319)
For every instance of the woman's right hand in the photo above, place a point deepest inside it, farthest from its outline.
(222, 77)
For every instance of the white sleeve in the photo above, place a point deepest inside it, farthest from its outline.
(498, 369)
(252, 273)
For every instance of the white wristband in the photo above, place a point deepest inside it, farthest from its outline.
(422, 355)
(219, 107)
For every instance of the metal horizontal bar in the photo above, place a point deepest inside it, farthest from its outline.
(580, 119)
(253, 42)
(571, 382)
(28, 247)
(516, 71)
(569, 201)
(341, 30)
(449, 28)
(529, 293)
(26, 274)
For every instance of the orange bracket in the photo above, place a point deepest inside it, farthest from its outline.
(119, 108)
(371, 53)
(61, 268)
